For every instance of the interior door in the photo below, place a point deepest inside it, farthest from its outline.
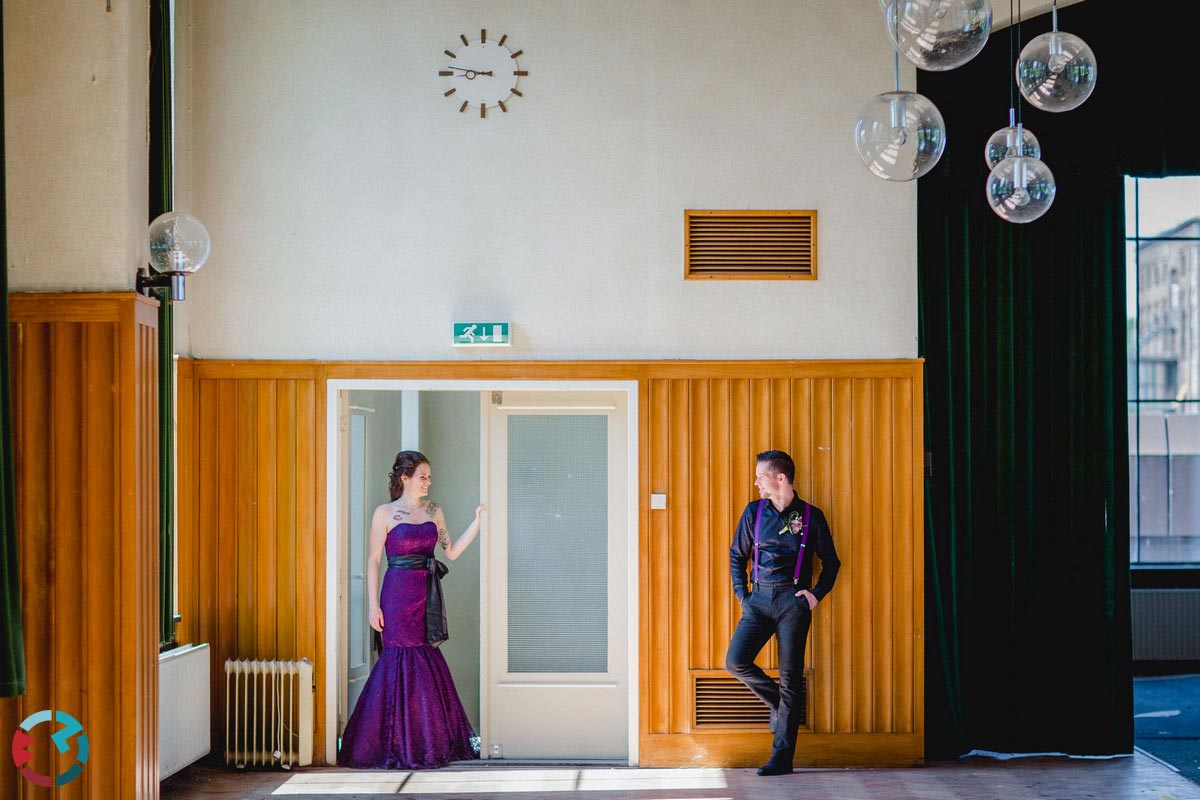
(557, 682)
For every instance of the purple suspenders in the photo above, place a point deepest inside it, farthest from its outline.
(762, 504)
(757, 521)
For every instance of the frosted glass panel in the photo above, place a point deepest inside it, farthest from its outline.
(558, 543)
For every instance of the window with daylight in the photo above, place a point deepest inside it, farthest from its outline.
(1162, 241)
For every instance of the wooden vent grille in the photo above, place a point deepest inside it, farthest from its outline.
(750, 244)
(722, 701)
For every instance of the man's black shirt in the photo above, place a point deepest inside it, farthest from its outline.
(778, 546)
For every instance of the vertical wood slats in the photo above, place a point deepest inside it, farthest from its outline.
(252, 541)
(85, 389)
(854, 440)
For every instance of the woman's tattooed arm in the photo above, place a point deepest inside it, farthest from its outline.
(443, 534)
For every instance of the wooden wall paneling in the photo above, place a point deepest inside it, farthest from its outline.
(824, 638)
(780, 393)
(909, 515)
(676, 565)
(699, 425)
(142, 326)
(208, 566)
(722, 513)
(316, 465)
(223, 531)
(265, 532)
(246, 500)
(701, 535)
(285, 622)
(883, 595)
(865, 587)
(657, 581)
(98, 451)
(841, 508)
(35, 432)
(310, 518)
(65, 513)
(85, 417)
(740, 473)
(186, 539)
(646, 524)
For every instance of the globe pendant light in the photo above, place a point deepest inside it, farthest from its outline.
(938, 35)
(900, 135)
(1056, 71)
(1011, 141)
(1020, 189)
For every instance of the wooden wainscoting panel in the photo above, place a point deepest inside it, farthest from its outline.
(254, 560)
(853, 437)
(853, 427)
(85, 414)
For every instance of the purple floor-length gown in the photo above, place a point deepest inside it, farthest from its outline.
(408, 715)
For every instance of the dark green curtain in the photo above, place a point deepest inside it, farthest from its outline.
(1023, 332)
(160, 202)
(12, 630)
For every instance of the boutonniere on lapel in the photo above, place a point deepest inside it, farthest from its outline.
(794, 524)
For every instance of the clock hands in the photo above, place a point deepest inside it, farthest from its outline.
(471, 74)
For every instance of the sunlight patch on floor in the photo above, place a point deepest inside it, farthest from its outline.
(502, 780)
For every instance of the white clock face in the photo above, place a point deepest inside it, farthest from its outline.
(484, 73)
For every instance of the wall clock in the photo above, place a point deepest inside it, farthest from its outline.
(484, 73)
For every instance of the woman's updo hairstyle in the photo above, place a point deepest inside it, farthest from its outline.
(406, 464)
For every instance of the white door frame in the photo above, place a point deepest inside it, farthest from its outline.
(335, 501)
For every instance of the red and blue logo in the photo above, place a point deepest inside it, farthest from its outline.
(22, 740)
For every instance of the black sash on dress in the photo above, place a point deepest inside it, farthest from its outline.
(436, 627)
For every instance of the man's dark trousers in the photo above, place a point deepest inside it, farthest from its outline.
(774, 609)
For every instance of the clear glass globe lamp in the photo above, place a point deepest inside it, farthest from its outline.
(900, 135)
(938, 35)
(1020, 189)
(176, 245)
(1056, 71)
(1008, 142)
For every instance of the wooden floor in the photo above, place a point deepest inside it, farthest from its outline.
(1139, 777)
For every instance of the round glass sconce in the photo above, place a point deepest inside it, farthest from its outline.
(938, 35)
(1020, 189)
(900, 135)
(176, 245)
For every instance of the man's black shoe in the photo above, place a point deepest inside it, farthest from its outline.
(775, 769)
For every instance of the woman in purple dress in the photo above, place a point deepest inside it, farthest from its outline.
(409, 715)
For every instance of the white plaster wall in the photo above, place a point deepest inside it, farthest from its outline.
(76, 142)
(355, 213)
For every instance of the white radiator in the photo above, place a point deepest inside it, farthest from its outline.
(184, 733)
(268, 713)
(1166, 624)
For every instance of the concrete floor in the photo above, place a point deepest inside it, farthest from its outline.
(1138, 777)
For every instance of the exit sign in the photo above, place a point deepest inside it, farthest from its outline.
(481, 334)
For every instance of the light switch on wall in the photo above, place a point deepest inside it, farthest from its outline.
(658, 501)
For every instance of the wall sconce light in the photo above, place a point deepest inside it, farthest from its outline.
(176, 245)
